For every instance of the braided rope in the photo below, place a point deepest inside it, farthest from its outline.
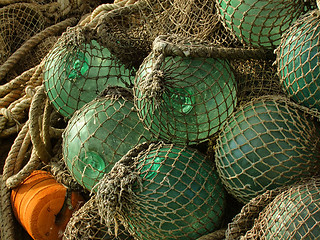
(17, 82)
(243, 221)
(8, 2)
(34, 114)
(216, 235)
(33, 164)
(168, 48)
(8, 170)
(31, 43)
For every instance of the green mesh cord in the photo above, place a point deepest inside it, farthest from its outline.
(260, 23)
(77, 69)
(298, 58)
(86, 224)
(184, 99)
(180, 194)
(293, 214)
(99, 134)
(266, 143)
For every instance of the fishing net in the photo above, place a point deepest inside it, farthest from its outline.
(99, 134)
(285, 213)
(261, 23)
(268, 142)
(86, 224)
(162, 191)
(297, 61)
(19, 22)
(183, 99)
(78, 68)
(181, 194)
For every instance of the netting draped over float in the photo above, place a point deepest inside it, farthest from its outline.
(289, 212)
(266, 143)
(192, 76)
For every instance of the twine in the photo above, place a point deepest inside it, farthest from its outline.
(17, 82)
(34, 114)
(216, 235)
(161, 44)
(93, 18)
(8, 170)
(31, 43)
(115, 197)
(33, 164)
(244, 220)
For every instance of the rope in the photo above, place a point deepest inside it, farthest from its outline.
(121, 11)
(8, 2)
(46, 125)
(8, 169)
(10, 97)
(31, 43)
(22, 153)
(10, 161)
(245, 219)
(34, 114)
(36, 78)
(10, 131)
(216, 235)
(105, 8)
(161, 45)
(17, 82)
(32, 165)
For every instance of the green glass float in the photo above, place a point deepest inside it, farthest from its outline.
(75, 74)
(293, 214)
(265, 144)
(181, 196)
(259, 23)
(98, 135)
(298, 61)
(189, 98)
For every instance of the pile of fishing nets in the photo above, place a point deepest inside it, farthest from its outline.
(159, 119)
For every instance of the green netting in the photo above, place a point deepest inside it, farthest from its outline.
(86, 224)
(99, 134)
(268, 142)
(260, 23)
(162, 191)
(293, 214)
(78, 68)
(184, 99)
(298, 58)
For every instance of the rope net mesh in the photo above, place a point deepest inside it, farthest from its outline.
(183, 71)
(297, 61)
(86, 224)
(290, 213)
(184, 99)
(99, 134)
(76, 70)
(18, 22)
(261, 23)
(266, 143)
(163, 191)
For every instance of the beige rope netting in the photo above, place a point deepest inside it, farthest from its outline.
(289, 212)
(130, 29)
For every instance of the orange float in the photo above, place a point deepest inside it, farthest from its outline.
(39, 203)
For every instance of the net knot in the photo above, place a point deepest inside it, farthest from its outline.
(6, 113)
(116, 192)
(152, 86)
